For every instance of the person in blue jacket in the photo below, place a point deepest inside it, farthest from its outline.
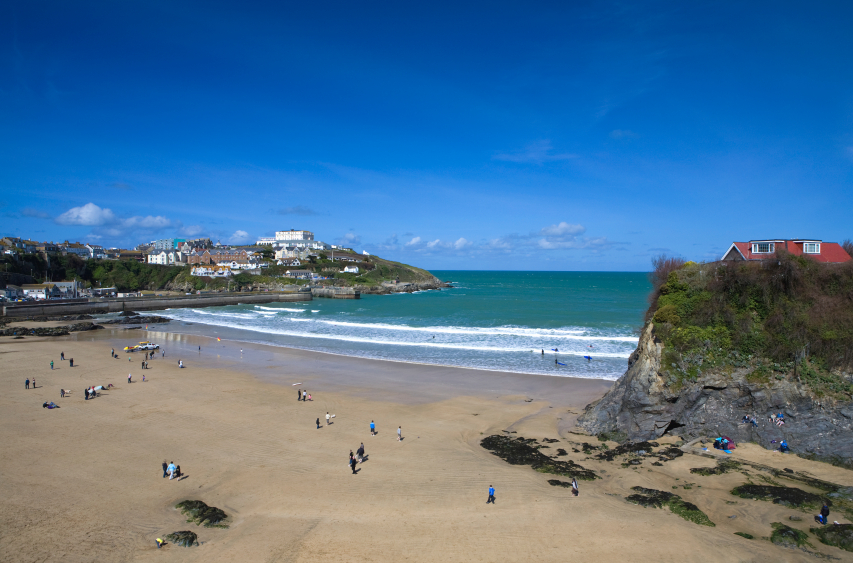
(491, 495)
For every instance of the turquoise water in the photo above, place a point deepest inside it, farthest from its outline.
(489, 320)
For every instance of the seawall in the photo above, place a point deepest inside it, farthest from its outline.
(336, 292)
(147, 304)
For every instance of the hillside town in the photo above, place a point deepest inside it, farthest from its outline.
(289, 251)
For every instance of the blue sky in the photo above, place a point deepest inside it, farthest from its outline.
(535, 136)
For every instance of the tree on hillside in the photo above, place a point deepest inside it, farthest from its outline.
(847, 245)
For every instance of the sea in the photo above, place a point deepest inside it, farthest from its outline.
(564, 324)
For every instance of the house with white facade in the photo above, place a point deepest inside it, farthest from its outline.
(96, 251)
(299, 274)
(41, 291)
(351, 269)
(211, 271)
(166, 257)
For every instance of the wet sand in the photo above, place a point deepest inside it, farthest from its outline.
(84, 482)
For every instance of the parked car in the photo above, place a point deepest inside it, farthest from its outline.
(148, 346)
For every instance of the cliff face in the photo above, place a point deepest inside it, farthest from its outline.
(643, 406)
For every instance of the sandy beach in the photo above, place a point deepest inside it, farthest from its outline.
(84, 482)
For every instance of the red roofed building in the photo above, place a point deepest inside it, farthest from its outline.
(827, 252)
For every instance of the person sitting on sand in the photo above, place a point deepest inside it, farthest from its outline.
(50, 405)
(783, 447)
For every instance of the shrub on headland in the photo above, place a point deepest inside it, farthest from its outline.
(786, 315)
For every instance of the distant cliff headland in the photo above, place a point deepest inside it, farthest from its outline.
(369, 274)
(731, 339)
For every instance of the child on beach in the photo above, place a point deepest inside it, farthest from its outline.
(399, 433)
(372, 428)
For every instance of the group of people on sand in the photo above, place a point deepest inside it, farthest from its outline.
(172, 470)
(302, 395)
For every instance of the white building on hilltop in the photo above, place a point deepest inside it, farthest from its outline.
(293, 235)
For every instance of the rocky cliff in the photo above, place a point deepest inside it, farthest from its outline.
(645, 404)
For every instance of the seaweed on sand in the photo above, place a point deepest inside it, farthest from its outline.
(519, 452)
(200, 513)
(628, 448)
(786, 496)
(745, 535)
(723, 466)
(787, 536)
(658, 499)
(184, 538)
(838, 535)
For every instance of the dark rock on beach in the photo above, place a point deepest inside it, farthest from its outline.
(723, 466)
(147, 319)
(786, 496)
(49, 331)
(201, 513)
(518, 451)
(644, 406)
(787, 536)
(838, 535)
(658, 499)
(184, 538)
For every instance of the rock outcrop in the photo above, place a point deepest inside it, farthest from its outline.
(643, 405)
(49, 331)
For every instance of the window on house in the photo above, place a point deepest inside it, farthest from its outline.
(811, 247)
(762, 247)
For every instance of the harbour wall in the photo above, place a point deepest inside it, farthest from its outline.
(146, 303)
(335, 292)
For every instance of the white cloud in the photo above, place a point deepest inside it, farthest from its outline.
(192, 230)
(149, 223)
(462, 243)
(563, 229)
(415, 241)
(538, 152)
(239, 237)
(89, 215)
(434, 243)
(622, 134)
(350, 239)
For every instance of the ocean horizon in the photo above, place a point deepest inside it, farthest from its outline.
(571, 324)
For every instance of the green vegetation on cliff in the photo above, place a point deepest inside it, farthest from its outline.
(786, 317)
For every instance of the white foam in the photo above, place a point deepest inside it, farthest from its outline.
(431, 345)
(573, 334)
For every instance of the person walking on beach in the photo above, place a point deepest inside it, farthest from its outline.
(113, 353)
(62, 393)
(491, 498)
(372, 428)
(328, 418)
(298, 395)
(128, 378)
(574, 487)
(360, 452)
(34, 383)
(399, 433)
(318, 423)
(27, 383)
(71, 362)
(165, 467)
(352, 464)
(86, 393)
(62, 356)
(164, 353)
(304, 395)
(51, 364)
(171, 469)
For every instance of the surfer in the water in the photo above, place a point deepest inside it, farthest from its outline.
(543, 351)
